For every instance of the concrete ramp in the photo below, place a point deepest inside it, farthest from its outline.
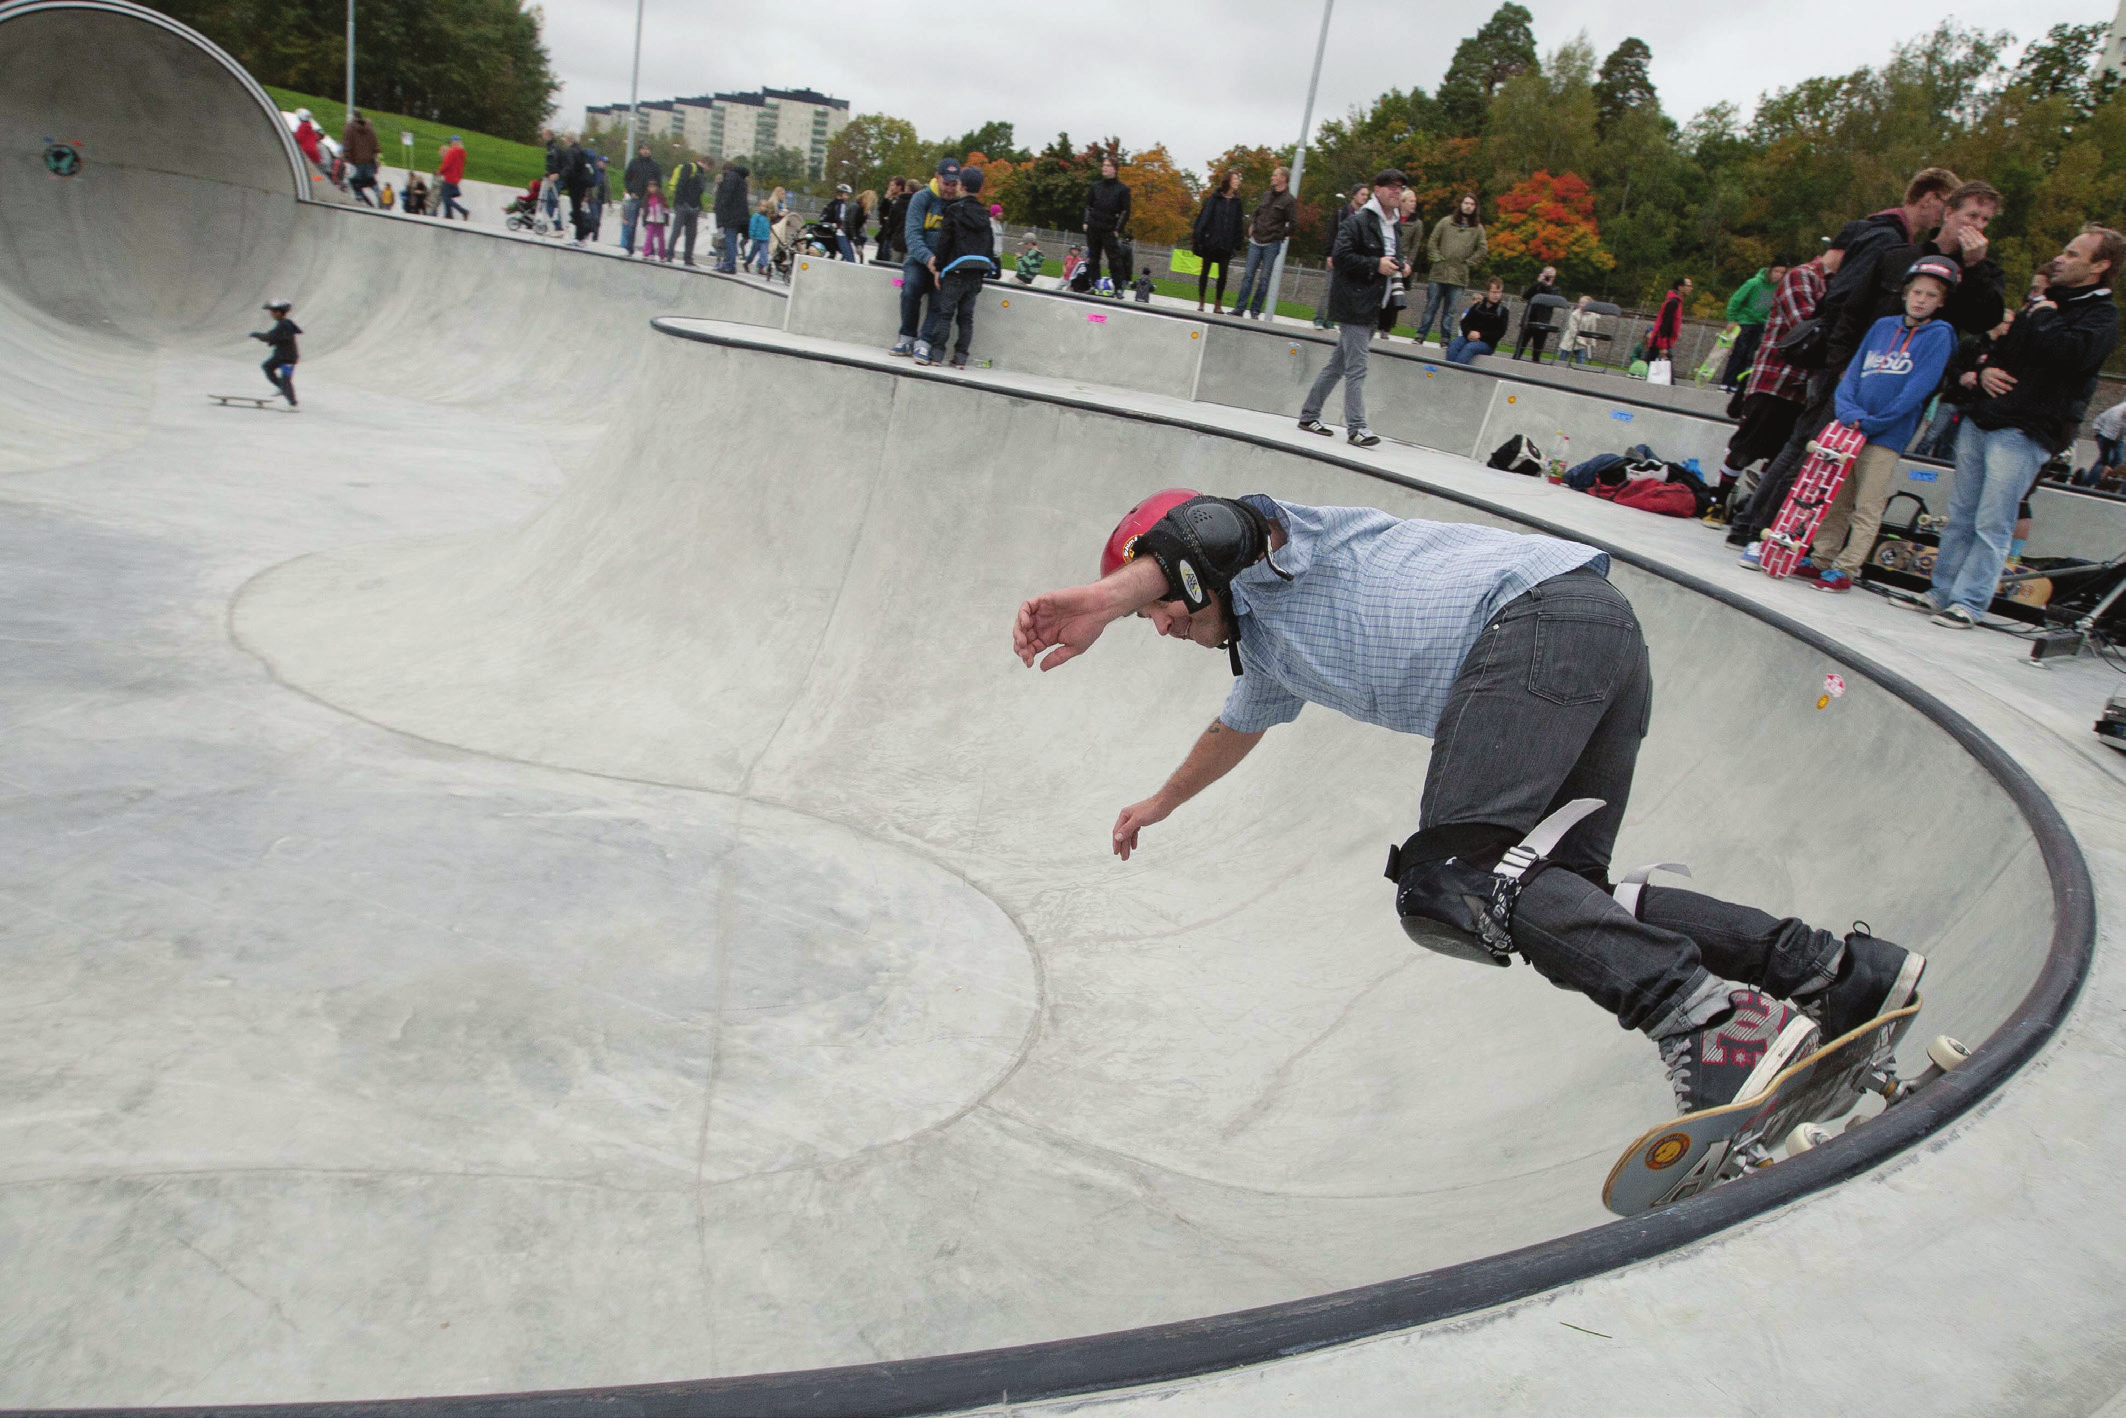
(496, 919)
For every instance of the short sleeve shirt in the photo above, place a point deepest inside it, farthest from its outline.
(1379, 612)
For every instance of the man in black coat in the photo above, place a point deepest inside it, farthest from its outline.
(579, 172)
(642, 170)
(733, 214)
(1535, 319)
(2031, 397)
(1362, 261)
(1106, 215)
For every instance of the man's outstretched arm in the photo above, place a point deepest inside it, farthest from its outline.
(1070, 620)
(1217, 749)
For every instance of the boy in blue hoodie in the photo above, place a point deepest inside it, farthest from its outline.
(1883, 393)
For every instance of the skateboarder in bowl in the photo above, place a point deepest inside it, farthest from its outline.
(1528, 671)
(280, 365)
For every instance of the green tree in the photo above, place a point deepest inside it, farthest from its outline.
(993, 139)
(1626, 83)
(1545, 119)
(476, 63)
(1049, 191)
(873, 149)
(1504, 47)
(787, 168)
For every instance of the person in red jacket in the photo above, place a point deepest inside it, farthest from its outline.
(450, 171)
(1668, 325)
(307, 134)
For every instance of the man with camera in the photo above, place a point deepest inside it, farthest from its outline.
(1362, 266)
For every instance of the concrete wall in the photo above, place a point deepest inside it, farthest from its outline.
(1014, 328)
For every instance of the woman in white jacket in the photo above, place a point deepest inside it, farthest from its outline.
(1575, 344)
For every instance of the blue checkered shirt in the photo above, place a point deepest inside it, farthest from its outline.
(1379, 613)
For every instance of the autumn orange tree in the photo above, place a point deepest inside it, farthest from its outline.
(1162, 197)
(1548, 221)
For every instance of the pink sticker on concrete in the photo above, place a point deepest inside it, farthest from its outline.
(1097, 318)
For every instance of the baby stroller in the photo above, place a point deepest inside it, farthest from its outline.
(522, 213)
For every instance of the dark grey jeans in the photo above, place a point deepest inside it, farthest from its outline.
(1551, 705)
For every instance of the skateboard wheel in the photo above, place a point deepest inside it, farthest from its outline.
(1806, 1136)
(1946, 1053)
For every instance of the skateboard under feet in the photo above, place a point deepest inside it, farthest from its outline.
(1687, 1155)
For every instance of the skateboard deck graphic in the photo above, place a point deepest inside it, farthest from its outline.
(1687, 1155)
(270, 402)
(1831, 453)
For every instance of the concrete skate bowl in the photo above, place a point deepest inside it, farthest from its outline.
(1240, 1092)
(192, 206)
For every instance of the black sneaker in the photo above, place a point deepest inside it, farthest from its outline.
(1316, 426)
(1739, 1053)
(1362, 438)
(1874, 978)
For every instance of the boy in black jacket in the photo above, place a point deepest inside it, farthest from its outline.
(280, 365)
(963, 255)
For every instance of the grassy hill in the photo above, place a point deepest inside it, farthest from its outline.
(487, 158)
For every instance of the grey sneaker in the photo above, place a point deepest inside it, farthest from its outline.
(922, 353)
(1874, 977)
(1922, 601)
(1956, 618)
(902, 347)
(1364, 438)
(1738, 1054)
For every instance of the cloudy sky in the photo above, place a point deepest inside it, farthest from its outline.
(1196, 75)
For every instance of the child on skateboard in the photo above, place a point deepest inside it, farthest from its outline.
(1883, 393)
(1528, 671)
(280, 365)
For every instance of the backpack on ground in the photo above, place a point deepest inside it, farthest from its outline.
(1518, 454)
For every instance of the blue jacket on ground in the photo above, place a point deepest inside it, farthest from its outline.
(1893, 374)
(926, 212)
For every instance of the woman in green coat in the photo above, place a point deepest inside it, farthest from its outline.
(1456, 249)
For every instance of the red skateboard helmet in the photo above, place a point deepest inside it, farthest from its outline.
(1122, 542)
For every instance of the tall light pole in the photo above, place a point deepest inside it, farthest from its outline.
(350, 58)
(634, 91)
(1299, 154)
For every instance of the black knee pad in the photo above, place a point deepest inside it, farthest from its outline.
(1456, 885)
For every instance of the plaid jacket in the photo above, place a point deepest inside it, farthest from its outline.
(1799, 290)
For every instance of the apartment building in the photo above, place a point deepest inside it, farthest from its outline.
(720, 125)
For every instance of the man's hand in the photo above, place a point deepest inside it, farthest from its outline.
(1975, 245)
(1387, 265)
(1969, 379)
(1069, 620)
(932, 263)
(1995, 381)
(2040, 304)
(1134, 819)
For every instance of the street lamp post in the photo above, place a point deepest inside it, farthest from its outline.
(1299, 154)
(350, 58)
(634, 90)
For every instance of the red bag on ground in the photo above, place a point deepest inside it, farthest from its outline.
(1648, 495)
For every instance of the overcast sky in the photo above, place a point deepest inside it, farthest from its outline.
(1197, 75)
